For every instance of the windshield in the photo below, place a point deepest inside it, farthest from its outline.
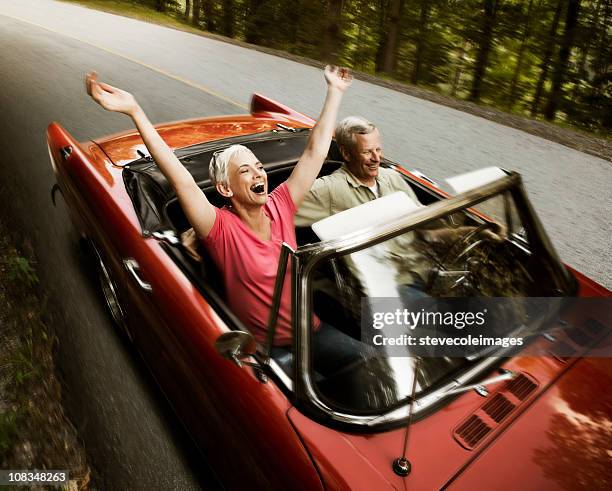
(485, 251)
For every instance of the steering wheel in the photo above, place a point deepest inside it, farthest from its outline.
(451, 258)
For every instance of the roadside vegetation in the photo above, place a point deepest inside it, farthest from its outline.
(34, 431)
(541, 66)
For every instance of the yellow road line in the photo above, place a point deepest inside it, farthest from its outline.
(190, 83)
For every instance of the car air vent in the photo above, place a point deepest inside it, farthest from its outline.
(498, 408)
(521, 387)
(472, 431)
(495, 410)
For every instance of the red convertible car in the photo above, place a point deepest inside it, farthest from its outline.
(534, 417)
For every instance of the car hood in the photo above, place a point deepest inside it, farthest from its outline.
(123, 148)
(561, 437)
(564, 440)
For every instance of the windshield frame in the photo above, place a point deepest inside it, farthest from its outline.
(306, 258)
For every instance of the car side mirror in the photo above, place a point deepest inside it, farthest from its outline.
(236, 345)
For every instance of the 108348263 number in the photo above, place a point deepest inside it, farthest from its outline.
(23, 477)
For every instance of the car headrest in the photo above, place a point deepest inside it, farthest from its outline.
(384, 209)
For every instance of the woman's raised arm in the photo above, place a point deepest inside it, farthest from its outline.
(197, 208)
(308, 167)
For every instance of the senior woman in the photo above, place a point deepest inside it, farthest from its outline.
(244, 239)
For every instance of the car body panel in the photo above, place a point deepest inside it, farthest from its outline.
(564, 440)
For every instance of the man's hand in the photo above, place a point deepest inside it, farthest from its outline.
(339, 78)
(309, 164)
(497, 233)
(109, 97)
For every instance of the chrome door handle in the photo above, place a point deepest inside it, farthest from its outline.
(132, 266)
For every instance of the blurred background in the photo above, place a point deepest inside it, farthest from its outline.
(548, 59)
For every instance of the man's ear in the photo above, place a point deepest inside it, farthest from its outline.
(224, 190)
(346, 155)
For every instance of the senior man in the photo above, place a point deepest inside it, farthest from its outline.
(359, 180)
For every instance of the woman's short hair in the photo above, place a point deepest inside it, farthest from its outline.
(351, 126)
(219, 163)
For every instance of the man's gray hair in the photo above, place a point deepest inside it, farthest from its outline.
(219, 163)
(351, 126)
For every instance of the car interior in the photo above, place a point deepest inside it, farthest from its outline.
(205, 273)
(334, 287)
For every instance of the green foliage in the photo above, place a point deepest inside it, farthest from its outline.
(505, 48)
(161, 5)
(19, 269)
(9, 427)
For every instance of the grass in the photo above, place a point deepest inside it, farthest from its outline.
(34, 431)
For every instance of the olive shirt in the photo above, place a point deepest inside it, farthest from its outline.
(341, 190)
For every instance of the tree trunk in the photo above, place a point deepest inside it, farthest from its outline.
(556, 93)
(519, 58)
(293, 12)
(535, 105)
(209, 18)
(254, 25)
(484, 48)
(601, 63)
(458, 69)
(585, 49)
(195, 17)
(391, 44)
(421, 41)
(382, 34)
(228, 18)
(187, 10)
(330, 45)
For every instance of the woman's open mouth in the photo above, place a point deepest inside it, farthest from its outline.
(258, 188)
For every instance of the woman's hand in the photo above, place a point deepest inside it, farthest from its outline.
(109, 97)
(337, 77)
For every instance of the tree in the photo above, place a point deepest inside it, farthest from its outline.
(209, 17)
(255, 21)
(547, 57)
(195, 18)
(390, 37)
(331, 43)
(520, 57)
(421, 43)
(228, 18)
(485, 44)
(556, 92)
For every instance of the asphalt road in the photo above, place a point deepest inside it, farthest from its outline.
(46, 49)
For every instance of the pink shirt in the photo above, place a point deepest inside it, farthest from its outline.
(249, 264)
